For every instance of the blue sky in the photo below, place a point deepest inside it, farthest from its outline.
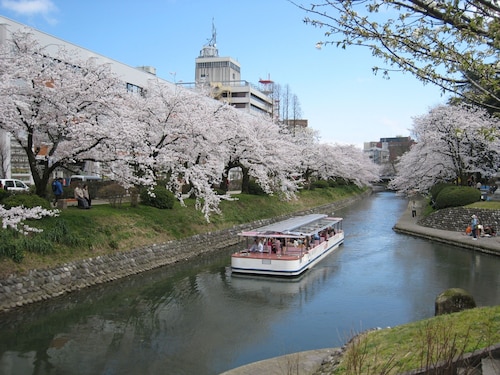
(337, 90)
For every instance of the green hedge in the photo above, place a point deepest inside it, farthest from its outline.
(454, 196)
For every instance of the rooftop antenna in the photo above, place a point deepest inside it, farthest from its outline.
(210, 49)
(213, 41)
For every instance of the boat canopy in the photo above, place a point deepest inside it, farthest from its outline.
(299, 226)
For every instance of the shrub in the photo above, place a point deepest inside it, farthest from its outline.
(454, 196)
(26, 200)
(436, 189)
(158, 197)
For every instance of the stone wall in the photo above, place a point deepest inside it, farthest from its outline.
(458, 218)
(39, 285)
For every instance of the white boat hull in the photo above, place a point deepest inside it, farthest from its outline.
(286, 265)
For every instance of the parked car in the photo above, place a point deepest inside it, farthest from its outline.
(82, 178)
(11, 184)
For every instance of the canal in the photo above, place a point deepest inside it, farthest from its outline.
(197, 318)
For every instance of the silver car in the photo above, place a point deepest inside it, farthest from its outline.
(11, 184)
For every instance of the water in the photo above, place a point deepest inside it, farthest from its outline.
(197, 318)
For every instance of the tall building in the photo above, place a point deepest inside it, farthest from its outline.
(223, 76)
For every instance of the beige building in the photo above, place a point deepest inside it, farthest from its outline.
(223, 76)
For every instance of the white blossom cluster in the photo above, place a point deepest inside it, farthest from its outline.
(81, 111)
(15, 217)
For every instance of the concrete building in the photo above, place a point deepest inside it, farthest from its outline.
(223, 76)
(387, 150)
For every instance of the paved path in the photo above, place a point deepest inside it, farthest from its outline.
(308, 362)
(408, 225)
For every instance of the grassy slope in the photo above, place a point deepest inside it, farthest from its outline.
(104, 230)
(423, 343)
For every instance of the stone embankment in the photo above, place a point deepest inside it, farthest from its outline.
(39, 285)
(456, 219)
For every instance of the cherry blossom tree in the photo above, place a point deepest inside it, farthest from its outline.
(265, 152)
(177, 136)
(333, 161)
(349, 163)
(453, 142)
(56, 101)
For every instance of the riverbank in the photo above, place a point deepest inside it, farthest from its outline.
(39, 285)
(456, 219)
(324, 361)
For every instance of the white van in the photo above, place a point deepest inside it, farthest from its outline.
(12, 184)
(82, 178)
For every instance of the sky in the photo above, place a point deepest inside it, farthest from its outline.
(338, 93)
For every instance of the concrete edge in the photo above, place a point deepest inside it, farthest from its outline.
(301, 363)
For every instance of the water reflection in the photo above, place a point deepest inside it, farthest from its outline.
(197, 318)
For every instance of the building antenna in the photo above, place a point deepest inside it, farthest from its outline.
(213, 41)
(210, 49)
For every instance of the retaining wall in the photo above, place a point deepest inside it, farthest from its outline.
(39, 285)
(457, 218)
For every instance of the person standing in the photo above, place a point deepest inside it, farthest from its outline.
(86, 194)
(413, 209)
(57, 189)
(474, 223)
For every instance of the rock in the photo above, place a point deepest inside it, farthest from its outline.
(453, 300)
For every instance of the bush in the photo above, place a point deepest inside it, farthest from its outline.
(454, 196)
(159, 197)
(26, 200)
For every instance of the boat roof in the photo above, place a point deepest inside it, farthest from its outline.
(298, 226)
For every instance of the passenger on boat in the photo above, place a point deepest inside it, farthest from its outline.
(277, 246)
(255, 246)
(260, 247)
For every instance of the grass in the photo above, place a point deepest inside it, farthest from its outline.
(421, 344)
(79, 234)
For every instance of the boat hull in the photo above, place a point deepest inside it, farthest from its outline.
(286, 265)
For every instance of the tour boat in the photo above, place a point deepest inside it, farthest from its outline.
(288, 248)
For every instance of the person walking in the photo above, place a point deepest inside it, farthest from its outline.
(57, 189)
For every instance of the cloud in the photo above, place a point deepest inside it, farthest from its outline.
(31, 7)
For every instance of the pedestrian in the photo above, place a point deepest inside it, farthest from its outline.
(57, 189)
(413, 208)
(474, 223)
(86, 194)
